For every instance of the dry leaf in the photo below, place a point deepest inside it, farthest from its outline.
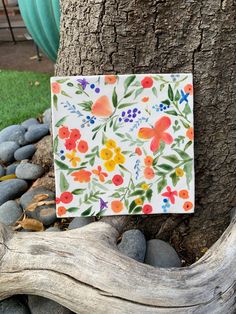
(36, 83)
(8, 177)
(31, 207)
(31, 224)
(40, 197)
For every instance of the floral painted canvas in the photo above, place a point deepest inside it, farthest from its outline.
(123, 144)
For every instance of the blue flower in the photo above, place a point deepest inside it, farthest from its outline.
(184, 97)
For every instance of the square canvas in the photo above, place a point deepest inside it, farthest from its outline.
(123, 144)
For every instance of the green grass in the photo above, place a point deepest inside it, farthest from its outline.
(21, 97)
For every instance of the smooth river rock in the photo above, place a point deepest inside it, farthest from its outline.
(14, 133)
(79, 222)
(2, 171)
(29, 171)
(36, 132)
(25, 152)
(11, 169)
(12, 189)
(10, 212)
(27, 123)
(7, 150)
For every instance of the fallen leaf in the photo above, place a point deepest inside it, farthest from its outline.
(40, 197)
(31, 224)
(8, 177)
(32, 206)
(36, 83)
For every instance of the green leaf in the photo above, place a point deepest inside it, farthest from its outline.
(186, 125)
(172, 112)
(78, 191)
(61, 165)
(55, 100)
(129, 93)
(61, 121)
(70, 84)
(170, 93)
(182, 154)
(138, 92)
(138, 192)
(174, 178)
(188, 145)
(126, 105)
(161, 185)
(114, 98)
(162, 86)
(64, 185)
(188, 171)
(87, 212)
(160, 174)
(166, 102)
(128, 81)
(154, 91)
(72, 209)
(61, 81)
(55, 144)
(78, 92)
(120, 135)
(172, 158)
(86, 105)
(177, 96)
(65, 94)
(149, 194)
(137, 210)
(165, 167)
(132, 206)
(187, 109)
(162, 147)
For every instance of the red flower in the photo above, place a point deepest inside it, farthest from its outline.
(117, 179)
(147, 82)
(58, 200)
(61, 211)
(157, 133)
(75, 134)
(170, 194)
(138, 151)
(66, 197)
(147, 209)
(70, 144)
(63, 132)
(83, 146)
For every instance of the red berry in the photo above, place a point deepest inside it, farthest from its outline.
(147, 209)
(66, 197)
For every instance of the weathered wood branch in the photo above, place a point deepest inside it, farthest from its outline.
(83, 270)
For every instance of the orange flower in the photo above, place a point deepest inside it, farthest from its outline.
(101, 175)
(148, 161)
(110, 79)
(190, 134)
(61, 211)
(82, 146)
(63, 132)
(187, 206)
(188, 89)
(183, 194)
(117, 206)
(138, 151)
(82, 176)
(157, 133)
(149, 173)
(145, 99)
(56, 88)
(102, 107)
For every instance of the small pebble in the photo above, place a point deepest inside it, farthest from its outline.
(10, 212)
(11, 189)
(52, 229)
(36, 132)
(27, 123)
(7, 150)
(29, 171)
(25, 152)
(11, 169)
(2, 171)
(161, 254)
(133, 244)
(79, 222)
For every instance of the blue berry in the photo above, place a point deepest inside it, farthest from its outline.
(164, 108)
(92, 121)
(92, 86)
(63, 157)
(163, 207)
(129, 111)
(135, 110)
(139, 112)
(161, 105)
(61, 151)
(134, 115)
(88, 117)
(126, 120)
(165, 200)
(129, 115)
(168, 205)
(131, 120)
(123, 113)
(97, 90)
(120, 119)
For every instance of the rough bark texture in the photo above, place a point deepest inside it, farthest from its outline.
(83, 270)
(137, 36)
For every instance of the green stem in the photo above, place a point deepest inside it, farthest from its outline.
(180, 113)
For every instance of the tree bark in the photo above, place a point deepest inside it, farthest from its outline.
(83, 270)
(163, 36)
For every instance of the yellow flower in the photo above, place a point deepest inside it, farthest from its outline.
(145, 186)
(117, 150)
(179, 172)
(110, 144)
(110, 165)
(106, 154)
(73, 159)
(138, 201)
(119, 159)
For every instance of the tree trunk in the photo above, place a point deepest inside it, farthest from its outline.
(151, 36)
(83, 270)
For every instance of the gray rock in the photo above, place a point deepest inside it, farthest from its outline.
(25, 152)
(161, 254)
(10, 212)
(13, 306)
(12, 189)
(79, 222)
(11, 169)
(47, 116)
(29, 171)
(7, 150)
(52, 229)
(28, 198)
(47, 215)
(40, 305)
(2, 171)
(27, 123)
(133, 244)
(233, 213)
(36, 132)
(14, 133)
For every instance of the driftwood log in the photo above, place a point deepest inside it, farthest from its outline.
(83, 270)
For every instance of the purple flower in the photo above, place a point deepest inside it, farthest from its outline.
(103, 204)
(83, 83)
